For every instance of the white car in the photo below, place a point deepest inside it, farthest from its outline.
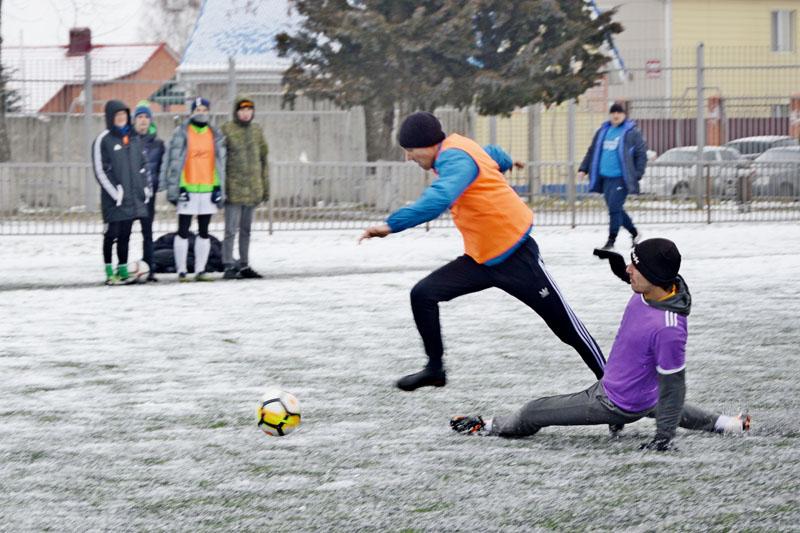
(674, 173)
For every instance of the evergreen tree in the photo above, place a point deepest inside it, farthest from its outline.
(5, 147)
(413, 54)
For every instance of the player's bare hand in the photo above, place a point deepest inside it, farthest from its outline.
(581, 175)
(375, 231)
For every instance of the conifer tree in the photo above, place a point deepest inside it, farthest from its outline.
(419, 55)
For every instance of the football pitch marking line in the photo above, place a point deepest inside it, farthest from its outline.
(171, 279)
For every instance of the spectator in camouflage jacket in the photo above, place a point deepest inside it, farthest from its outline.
(246, 185)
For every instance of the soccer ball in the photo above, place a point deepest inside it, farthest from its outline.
(278, 413)
(138, 271)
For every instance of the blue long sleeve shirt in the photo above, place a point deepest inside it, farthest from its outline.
(456, 171)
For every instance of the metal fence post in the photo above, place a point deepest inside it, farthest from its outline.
(270, 210)
(534, 147)
(493, 129)
(90, 198)
(231, 81)
(701, 130)
(571, 192)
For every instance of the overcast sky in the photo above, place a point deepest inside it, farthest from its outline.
(47, 22)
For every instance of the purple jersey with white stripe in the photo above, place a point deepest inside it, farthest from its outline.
(649, 341)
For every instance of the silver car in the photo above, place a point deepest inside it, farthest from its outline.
(674, 173)
(752, 147)
(776, 172)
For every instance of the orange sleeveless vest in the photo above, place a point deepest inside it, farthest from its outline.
(199, 172)
(489, 214)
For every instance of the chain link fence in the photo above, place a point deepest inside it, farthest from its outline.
(699, 102)
(63, 198)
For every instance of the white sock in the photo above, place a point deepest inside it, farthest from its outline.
(180, 247)
(202, 247)
(726, 424)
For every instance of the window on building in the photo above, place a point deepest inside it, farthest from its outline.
(783, 30)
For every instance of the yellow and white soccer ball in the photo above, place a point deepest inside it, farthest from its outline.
(278, 413)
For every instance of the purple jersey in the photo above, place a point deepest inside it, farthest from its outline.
(649, 341)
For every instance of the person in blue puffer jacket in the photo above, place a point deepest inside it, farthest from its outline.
(615, 162)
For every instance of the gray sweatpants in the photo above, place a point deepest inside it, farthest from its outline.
(588, 407)
(238, 219)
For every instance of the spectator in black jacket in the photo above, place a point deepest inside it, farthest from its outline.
(119, 167)
(153, 148)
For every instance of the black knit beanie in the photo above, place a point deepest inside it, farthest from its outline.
(616, 107)
(420, 130)
(658, 260)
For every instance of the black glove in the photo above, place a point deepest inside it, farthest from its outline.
(659, 444)
(615, 261)
(183, 195)
(216, 195)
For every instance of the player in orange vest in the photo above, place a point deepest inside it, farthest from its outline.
(498, 249)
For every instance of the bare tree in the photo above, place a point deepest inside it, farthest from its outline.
(171, 21)
(5, 147)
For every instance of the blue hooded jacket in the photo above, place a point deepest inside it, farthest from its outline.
(632, 153)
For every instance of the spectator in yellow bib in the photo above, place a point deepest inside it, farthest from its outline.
(194, 175)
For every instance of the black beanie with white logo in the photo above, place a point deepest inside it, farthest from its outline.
(658, 260)
(420, 130)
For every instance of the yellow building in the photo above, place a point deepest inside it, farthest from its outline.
(751, 58)
(751, 48)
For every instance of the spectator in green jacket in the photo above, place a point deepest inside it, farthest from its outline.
(246, 186)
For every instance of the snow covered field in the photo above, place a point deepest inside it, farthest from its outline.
(133, 408)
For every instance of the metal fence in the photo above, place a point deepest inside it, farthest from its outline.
(56, 198)
(319, 180)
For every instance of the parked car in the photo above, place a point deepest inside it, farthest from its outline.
(776, 172)
(674, 173)
(752, 147)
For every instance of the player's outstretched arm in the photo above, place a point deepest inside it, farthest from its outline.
(616, 262)
(381, 230)
(671, 396)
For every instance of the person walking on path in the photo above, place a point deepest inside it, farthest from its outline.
(615, 162)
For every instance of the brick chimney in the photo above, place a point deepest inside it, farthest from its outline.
(80, 41)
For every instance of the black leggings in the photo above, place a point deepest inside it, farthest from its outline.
(523, 276)
(147, 232)
(119, 232)
(184, 221)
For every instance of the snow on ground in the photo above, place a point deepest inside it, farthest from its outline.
(133, 408)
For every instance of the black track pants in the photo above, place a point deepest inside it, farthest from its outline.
(119, 232)
(523, 276)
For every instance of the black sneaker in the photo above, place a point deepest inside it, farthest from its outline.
(231, 273)
(471, 425)
(249, 273)
(609, 245)
(427, 377)
(615, 429)
(152, 277)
